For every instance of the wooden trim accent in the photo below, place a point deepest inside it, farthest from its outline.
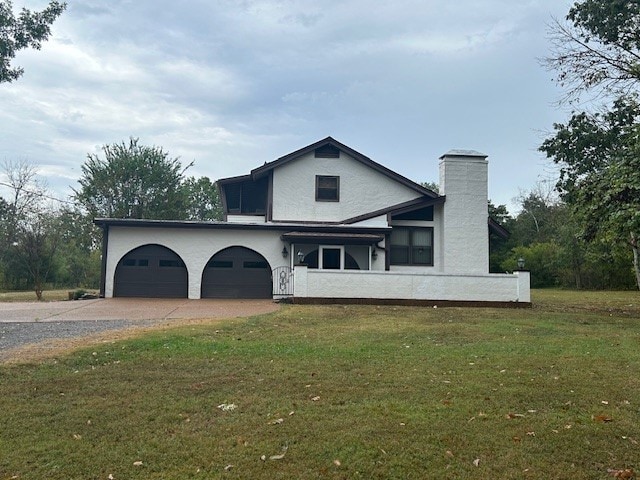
(215, 225)
(269, 214)
(103, 260)
(404, 207)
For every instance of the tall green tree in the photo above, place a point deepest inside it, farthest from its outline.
(599, 159)
(597, 51)
(133, 181)
(27, 30)
(202, 199)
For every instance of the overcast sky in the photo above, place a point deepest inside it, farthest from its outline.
(231, 84)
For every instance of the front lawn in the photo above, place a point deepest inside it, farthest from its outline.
(341, 392)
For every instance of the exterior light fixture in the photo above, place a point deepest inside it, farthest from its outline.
(520, 263)
(285, 252)
(374, 254)
(300, 256)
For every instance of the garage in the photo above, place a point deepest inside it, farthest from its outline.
(237, 272)
(151, 271)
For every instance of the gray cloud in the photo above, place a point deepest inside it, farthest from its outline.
(232, 84)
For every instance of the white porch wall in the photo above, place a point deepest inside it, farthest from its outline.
(412, 286)
(362, 190)
(194, 246)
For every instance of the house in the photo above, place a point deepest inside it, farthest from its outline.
(324, 223)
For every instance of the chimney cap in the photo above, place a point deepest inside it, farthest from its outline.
(463, 153)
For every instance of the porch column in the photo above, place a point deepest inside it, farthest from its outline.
(300, 281)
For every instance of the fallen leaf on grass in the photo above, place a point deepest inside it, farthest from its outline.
(227, 407)
(228, 467)
(315, 399)
(278, 421)
(531, 434)
(337, 462)
(476, 462)
(514, 415)
(602, 418)
(626, 473)
(137, 463)
(281, 456)
(76, 436)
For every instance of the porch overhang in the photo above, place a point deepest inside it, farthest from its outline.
(332, 238)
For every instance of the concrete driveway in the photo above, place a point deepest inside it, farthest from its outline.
(131, 309)
(33, 330)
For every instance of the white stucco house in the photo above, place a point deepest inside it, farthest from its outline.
(323, 224)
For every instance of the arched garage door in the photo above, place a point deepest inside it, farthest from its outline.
(151, 271)
(236, 272)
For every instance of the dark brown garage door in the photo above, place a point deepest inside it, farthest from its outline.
(236, 272)
(151, 271)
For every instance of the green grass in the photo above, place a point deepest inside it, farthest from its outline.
(343, 392)
(30, 296)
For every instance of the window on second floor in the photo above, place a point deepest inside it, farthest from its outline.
(412, 246)
(327, 188)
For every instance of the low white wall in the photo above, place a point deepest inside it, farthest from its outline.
(313, 283)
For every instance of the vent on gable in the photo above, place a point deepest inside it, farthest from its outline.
(327, 151)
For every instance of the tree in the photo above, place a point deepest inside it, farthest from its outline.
(203, 202)
(26, 194)
(597, 49)
(599, 155)
(133, 181)
(29, 29)
(35, 250)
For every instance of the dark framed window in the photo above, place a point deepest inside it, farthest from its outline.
(412, 246)
(171, 263)
(220, 264)
(327, 188)
(331, 258)
(255, 264)
(132, 262)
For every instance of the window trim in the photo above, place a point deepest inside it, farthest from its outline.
(410, 247)
(337, 178)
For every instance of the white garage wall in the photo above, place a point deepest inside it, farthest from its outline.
(194, 246)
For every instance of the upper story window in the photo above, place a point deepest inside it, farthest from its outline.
(412, 246)
(246, 197)
(327, 188)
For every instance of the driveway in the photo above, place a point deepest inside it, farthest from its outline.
(32, 324)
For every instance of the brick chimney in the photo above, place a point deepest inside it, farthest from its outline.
(465, 234)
